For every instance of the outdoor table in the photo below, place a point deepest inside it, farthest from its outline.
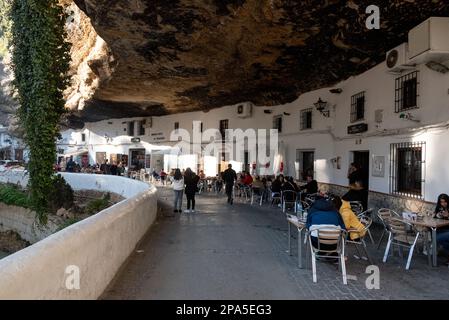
(433, 224)
(300, 225)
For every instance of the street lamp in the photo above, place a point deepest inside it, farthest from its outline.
(321, 106)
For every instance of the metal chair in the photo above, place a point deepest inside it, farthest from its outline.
(310, 199)
(360, 240)
(276, 197)
(367, 214)
(403, 235)
(356, 206)
(200, 187)
(288, 198)
(382, 215)
(328, 236)
(257, 192)
(245, 190)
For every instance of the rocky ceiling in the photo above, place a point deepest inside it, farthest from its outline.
(170, 56)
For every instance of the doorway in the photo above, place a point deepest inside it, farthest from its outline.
(361, 159)
(305, 164)
(137, 159)
(100, 157)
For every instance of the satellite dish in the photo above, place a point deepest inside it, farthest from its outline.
(392, 58)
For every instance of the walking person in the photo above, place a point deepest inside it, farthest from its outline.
(191, 181)
(178, 188)
(229, 177)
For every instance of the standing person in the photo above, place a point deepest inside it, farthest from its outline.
(354, 173)
(191, 182)
(442, 212)
(163, 175)
(104, 168)
(229, 177)
(70, 167)
(178, 188)
(120, 169)
(114, 168)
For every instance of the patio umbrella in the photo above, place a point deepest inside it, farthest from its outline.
(279, 160)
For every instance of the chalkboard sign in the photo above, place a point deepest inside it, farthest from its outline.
(358, 128)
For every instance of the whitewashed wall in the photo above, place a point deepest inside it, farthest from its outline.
(328, 136)
(98, 245)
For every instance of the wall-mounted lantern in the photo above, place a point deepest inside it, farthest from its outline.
(321, 106)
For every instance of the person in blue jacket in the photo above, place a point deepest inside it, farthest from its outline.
(322, 214)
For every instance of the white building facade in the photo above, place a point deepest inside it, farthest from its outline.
(12, 148)
(393, 121)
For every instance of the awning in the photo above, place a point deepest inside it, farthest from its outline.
(74, 153)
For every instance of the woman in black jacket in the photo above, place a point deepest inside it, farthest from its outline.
(191, 181)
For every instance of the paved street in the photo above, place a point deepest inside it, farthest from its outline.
(240, 252)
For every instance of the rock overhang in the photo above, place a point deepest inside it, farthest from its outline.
(165, 57)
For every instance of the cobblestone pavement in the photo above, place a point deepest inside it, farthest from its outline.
(240, 252)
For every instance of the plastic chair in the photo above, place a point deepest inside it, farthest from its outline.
(328, 236)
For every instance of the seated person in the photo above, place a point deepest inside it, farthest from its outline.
(322, 214)
(349, 218)
(247, 180)
(290, 185)
(258, 184)
(218, 183)
(276, 185)
(442, 212)
(310, 188)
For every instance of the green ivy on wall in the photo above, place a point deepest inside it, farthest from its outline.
(41, 58)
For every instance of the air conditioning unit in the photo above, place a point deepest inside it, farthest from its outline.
(148, 122)
(397, 59)
(429, 41)
(244, 110)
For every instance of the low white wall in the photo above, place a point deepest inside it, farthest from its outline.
(23, 221)
(98, 245)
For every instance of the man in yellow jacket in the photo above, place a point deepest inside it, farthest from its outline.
(349, 218)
